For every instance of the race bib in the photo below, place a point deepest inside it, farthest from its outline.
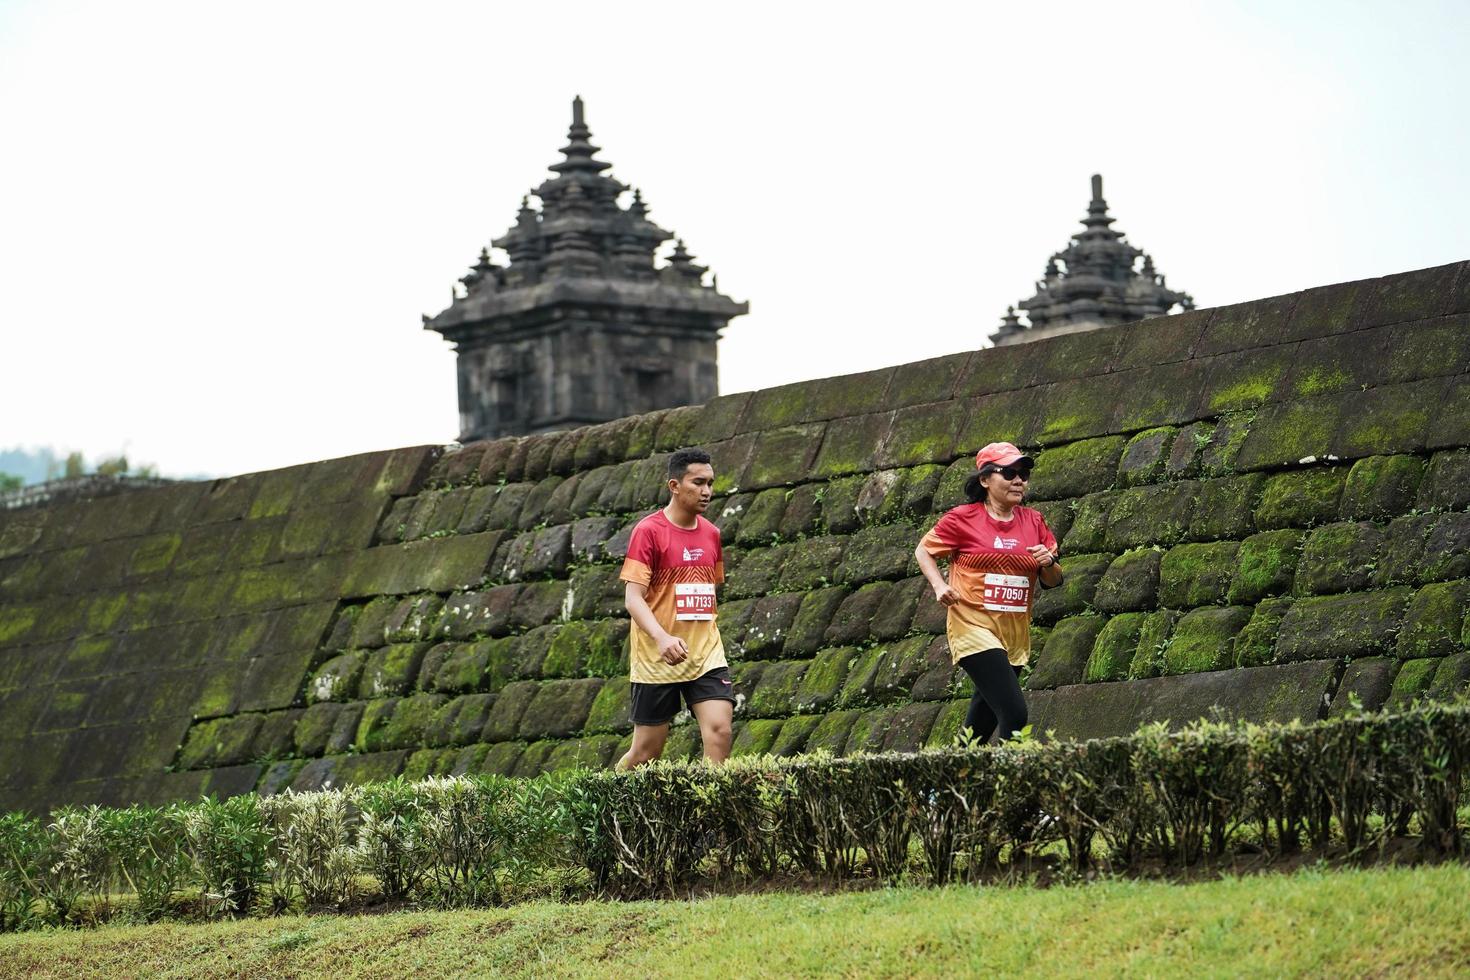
(694, 600)
(1006, 593)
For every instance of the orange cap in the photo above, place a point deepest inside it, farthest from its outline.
(1001, 454)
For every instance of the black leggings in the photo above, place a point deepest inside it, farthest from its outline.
(997, 702)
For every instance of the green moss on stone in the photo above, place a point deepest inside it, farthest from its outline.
(376, 715)
(337, 679)
(1153, 643)
(757, 737)
(1075, 469)
(1066, 653)
(1412, 681)
(1145, 456)
(877, 553)
(757, 573)
(850, 443)
(391, 670)
(219, 742)
(1114, 649)
(761, 521)
(1265, 565)
(1446, 483)
(795, 731)
(951, 489)
(945, 731)
(1255, 645)
(1300, 498)
(1204, 639)
(1080, 577)
(1338, 558)
(775, 695)
(1359, 625)
(566, 656)
(611, 710)
(832, 731)
(1285, 434)
(1089, 530)
(824, 680)
(1451, 678)
(1433, 623)
(1225, 508)
(560, 708)
(1196, 574)
(812, 619)
(852, 620)
(1380, 487)
(505, 715)
(811, 563)
(1131, 582)
(1151, 515)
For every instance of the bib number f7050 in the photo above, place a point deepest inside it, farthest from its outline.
(1006, 593)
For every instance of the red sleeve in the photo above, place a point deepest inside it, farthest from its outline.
(642, 553)
(943, 538)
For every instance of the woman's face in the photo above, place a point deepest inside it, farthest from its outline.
(1005, 492)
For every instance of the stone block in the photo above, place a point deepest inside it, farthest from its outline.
(502, 759)
(1446, 549)
(922, 434)
(391, 670)
(560, 708)
(1148, 515)
(424, 763)
(757, 572)
(1356, 625)
(878, 492)
(314, 728)
(1300, 498)
(761, 521)
(802, 514)
(823, 682)
(338, 678)
(775, 695)
(1255, 644)
(869, 731)
(940, 679)
(811, 563)
(1146, 456)
(1451, 678)
(813, 616)
(1380, 487)
(1196, 574)
(1068, 648)
(1432, 623)
(792, 738)
(1446, 483)
(407, 727)
(1286, 433)
(413, 619)
(275, 739)
(1225, 508)
(1338, 558)
(839, 504)
(220, 742)
(784, 456)
(433, 565)
(1187, 451)
(770, 621)
(1265, 565)
(879, 552)
(1365, 686)
(1075, 469)
(538, 603)
(948, 724)
(533, 511)
(505, 714)
(909, 727)
(895, 615)
(611, 710)
(1412, 682)
(1131, 582)
(851, 623)
(1153, 641)
(1204, 639)
(1114, 649)
(849, 445)
(1080, 577)
(832, 731)
(463, 669)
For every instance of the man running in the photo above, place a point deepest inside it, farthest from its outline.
(674, 563)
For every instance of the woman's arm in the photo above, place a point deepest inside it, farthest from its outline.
(943, 591)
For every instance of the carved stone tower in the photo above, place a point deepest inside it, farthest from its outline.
(579, 326)
(1096, 281)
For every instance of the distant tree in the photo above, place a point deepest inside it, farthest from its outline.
(75, 466)
(117, 466)
(9, 481)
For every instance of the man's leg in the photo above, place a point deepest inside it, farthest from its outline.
(648, 744)
(714, 727)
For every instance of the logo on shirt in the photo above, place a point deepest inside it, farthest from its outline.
(693, 554)
(1004, 544)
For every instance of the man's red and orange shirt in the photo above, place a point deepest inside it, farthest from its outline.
(680, 567)
(994, 575)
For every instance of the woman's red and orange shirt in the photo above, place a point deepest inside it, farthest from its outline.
(994, 576)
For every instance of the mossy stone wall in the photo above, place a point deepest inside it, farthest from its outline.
(1262, 511)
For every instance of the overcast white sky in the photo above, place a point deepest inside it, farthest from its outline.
(219, 222)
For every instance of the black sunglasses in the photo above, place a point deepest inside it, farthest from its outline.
(1009, 472)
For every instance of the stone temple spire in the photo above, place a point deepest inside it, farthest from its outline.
(581, 325)
(1099, 280)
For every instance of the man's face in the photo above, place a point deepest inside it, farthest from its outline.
(694, 489)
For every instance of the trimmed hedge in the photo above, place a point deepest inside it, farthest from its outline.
(954, 814)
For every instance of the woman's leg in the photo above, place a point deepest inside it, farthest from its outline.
(997, 704)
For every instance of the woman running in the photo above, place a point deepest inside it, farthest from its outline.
(997, 551)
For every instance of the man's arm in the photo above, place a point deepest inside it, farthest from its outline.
(671, 648)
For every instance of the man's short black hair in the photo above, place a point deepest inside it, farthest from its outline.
(680, 461)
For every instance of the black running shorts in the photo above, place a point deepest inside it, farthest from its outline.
(657, 704)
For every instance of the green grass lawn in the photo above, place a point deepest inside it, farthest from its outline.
(1403, 921)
